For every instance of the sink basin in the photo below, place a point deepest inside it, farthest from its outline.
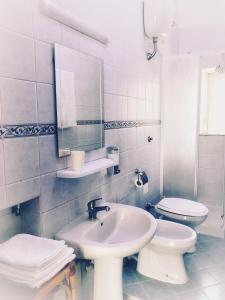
(121, 232)
(118, 233)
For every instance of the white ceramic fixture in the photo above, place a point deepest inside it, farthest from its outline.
(162, 258)
(158, 16)
(183, 211)
(157, 21)
(118, 233)
(88, 168)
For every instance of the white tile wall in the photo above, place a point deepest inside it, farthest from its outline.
(140, 137)
(207, 161)
(12, 47)
(55, 219)
(13, 93)
(2, 174)
(211, 145)
(44, 29)
(3, 200)
(148, 110)
(206, 20)
(49, 161)
(23, 191)
(44, 62)
(140, 109)
(46, 103)
(131, 86)
(211, 171)
(132, 109)
(115, 81)
(21, 159)
(16, 16)
(9, 224)
(115, 107)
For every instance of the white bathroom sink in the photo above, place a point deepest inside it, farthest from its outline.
(120, 232)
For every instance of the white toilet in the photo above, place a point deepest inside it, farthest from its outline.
(162, 258)
(183, 211)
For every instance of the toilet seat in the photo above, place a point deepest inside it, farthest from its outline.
(182, 207)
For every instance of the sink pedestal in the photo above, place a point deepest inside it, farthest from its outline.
(106, 241)
(108, 283)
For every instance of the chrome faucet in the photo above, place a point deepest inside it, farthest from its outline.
(93, 209)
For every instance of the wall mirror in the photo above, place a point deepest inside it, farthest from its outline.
(79, 97)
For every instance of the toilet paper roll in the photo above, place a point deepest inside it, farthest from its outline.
(138, 183)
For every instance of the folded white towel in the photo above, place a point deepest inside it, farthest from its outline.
(37, 283)
(29, 251)
(35, 274)
(47, 264)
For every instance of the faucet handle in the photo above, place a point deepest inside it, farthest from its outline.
(91, 204)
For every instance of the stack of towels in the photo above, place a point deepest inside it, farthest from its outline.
(32, 260)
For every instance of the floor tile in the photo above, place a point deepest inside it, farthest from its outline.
(135, 291)
(130, 297)
(216, 292)
(157, 290)
(205, 268)
(196, 295)
(218, 272)
(199, 261)
(202, 278)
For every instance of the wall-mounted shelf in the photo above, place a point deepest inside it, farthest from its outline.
(89, 168)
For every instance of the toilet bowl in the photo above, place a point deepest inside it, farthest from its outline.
(183, 211)
(162, 258)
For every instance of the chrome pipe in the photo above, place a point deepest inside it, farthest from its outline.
(155, 49)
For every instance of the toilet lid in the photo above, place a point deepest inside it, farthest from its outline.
(183, 207)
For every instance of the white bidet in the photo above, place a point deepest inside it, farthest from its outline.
(162, 258)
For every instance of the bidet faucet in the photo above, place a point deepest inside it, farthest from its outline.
(93, 209)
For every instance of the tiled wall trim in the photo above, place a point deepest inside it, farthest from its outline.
(130, 124)
(12, 131)
(89, 122)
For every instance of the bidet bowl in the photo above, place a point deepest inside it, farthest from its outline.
(120, 232)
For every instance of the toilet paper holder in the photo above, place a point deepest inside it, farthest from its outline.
(142, 178)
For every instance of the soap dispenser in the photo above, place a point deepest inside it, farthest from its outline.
(113, 154)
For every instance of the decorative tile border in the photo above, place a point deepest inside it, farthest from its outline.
(2, 131)
(130, 124)
(90, 122)
(12, 131)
